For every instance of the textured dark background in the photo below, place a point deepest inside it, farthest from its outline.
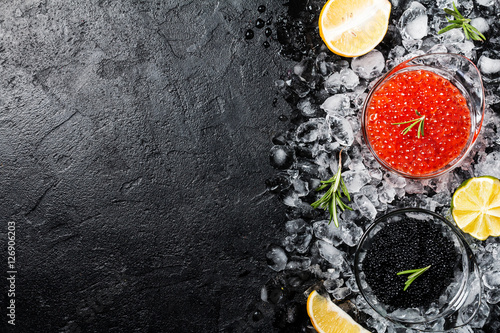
(134, 139)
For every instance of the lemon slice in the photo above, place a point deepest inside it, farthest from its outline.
(326, 317)
(476, 207)
(351, 28)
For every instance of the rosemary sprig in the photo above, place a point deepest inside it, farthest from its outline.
(413, 122)
(458, 21)
(333, 195)
(415, 273)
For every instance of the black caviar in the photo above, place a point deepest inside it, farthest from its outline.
(261, 8)
(404, 245)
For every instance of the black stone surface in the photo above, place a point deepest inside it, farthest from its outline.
(133, 153)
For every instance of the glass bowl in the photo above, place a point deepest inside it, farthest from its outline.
(464, 75)
(458, 303)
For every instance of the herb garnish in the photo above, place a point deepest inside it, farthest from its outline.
(419, 121)
(333, 196)
(461, 22)
(415, 273)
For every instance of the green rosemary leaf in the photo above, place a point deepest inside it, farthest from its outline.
(415, 273)
(461, 22)
(448, 28)
(333, 196)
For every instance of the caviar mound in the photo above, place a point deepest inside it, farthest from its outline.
(410, 244)
(446, 127)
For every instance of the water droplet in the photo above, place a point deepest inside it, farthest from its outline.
(260, 23)
(249, 34)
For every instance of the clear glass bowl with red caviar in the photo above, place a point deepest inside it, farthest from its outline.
(446, 296)
(422, 118)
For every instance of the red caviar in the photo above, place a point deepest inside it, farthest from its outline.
(446, 126)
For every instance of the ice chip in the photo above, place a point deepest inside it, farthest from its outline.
(276, 258)
(336, 103)
(491, 280)
(306, 108)
(281, 157)
(488, 66)
(480, 24)
(311, 130)
(348, 78)
(341, 293)
(331, 254)
(350, 232)
(394, 180)
(352, 284)
(356, 179)
(486, 3)
(332, 284)
(369, 66)
(413, 22)
(300, 187)
(386, 193)
(327, 232)
(296, 226)
(341, 130)
(365, 206)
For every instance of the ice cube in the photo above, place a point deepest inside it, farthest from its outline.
(336, 103)
(394, 180)
(386, 193)
(370, 191)
(351, 284)
(369, 66)
(365, 206)
(480, 24)
(349, 78)
(350, 232)
(298, 263)
(331, 254)
(332, 284)
(296, 226)
(276, 258)
(281, 157)
(300, 187)
(491, 280)
(341, 130)
(356, 179)
(341, 293)
(306, 108)
(297, 242)
(298, 86)
(413, 22)
(310, 131)
(486, 3)
(327, 232)
(488, 65)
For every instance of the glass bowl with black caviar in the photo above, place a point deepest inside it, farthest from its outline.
(444, 295)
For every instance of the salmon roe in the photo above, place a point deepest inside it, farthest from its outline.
(446, 126)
